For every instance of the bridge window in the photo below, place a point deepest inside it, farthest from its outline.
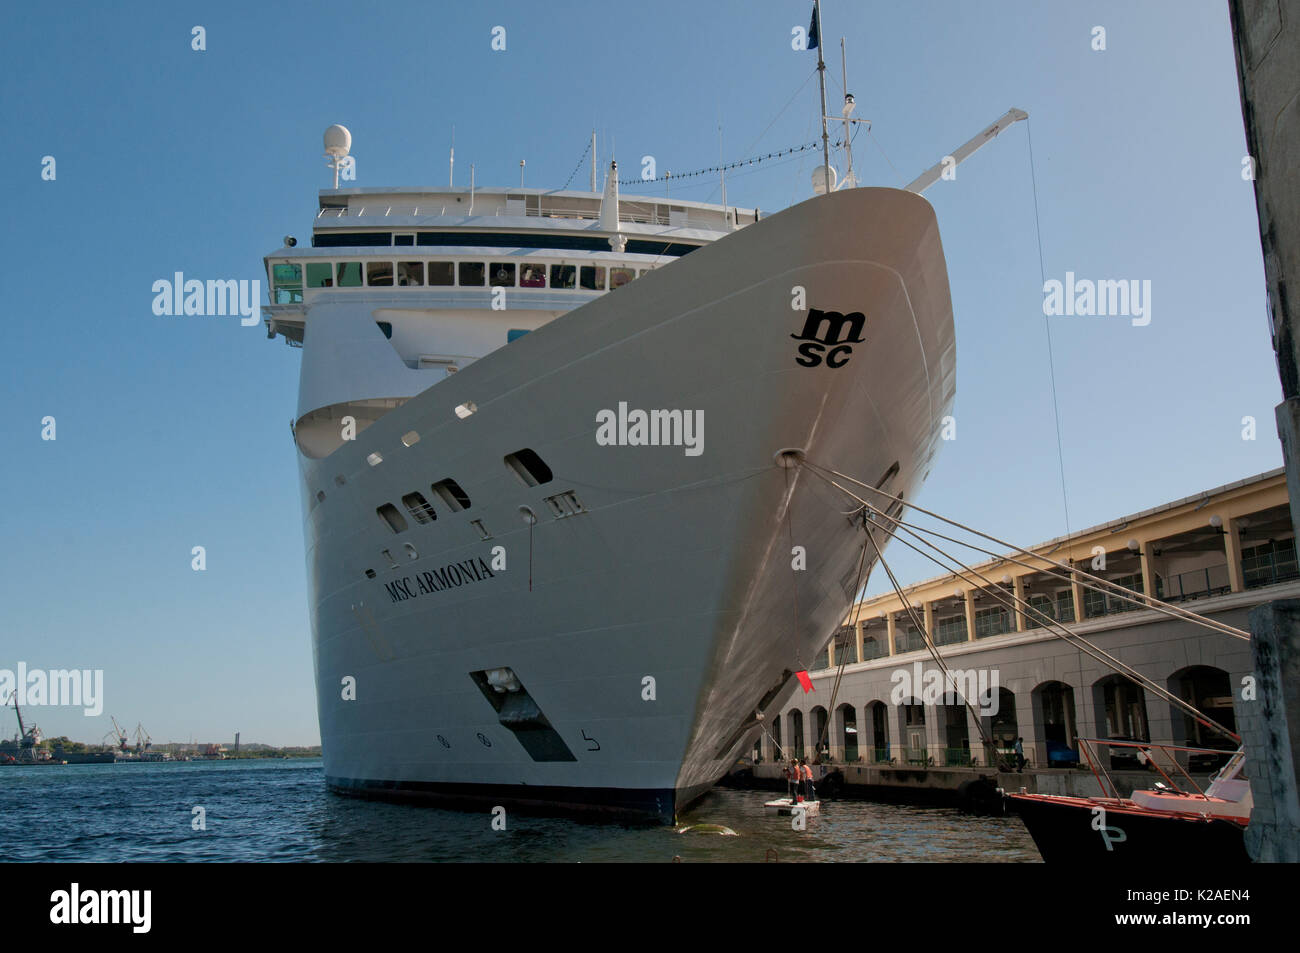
(592, 277)
(288, 283)
(503, 275)
(404, 239)
(349, 274)
(514, 334)
(410, 273)
(379, 274)
(529, 467)
(533, 276)
(471, 274)
(564, 276)
(618, 277)
(442, 273)
(320, 275)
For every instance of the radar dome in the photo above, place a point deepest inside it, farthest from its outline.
(338, 141)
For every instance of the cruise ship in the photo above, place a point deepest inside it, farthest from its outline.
(562, 551)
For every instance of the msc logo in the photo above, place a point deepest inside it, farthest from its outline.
(829, 329)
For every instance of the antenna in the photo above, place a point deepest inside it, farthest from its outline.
(849, 179)
(593, 160)
(338, 143)
(821, 78)
(471, 188)
(521, 173)
(451, 171)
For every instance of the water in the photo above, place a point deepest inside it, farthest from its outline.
(280, 811)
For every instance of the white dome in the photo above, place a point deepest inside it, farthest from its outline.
(338, 141)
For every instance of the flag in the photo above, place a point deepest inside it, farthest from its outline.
(812, 30)
(804, 680)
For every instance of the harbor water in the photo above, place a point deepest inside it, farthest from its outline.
(280, 811)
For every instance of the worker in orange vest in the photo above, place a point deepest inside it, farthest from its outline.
(810, 793)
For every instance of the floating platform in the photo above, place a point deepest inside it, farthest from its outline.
(784, 807)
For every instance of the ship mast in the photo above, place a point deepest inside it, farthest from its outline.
(821, 78)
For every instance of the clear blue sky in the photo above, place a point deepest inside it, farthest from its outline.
(173, 432)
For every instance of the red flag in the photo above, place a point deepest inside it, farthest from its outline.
(804, 680)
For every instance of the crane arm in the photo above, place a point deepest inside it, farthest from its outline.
(960, 155)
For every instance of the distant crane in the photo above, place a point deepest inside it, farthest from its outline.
(142, 740)
(28, 738)
(121, 735)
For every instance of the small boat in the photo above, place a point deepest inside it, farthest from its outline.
(1163, 823)
(786, 807)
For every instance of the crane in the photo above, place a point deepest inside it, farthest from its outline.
(29, 738)
(121, 735)
(960, 155)
(142, 740)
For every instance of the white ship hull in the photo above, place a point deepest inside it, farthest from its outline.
(680, 568)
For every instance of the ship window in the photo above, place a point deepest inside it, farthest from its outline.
(370, 574)
(471, 274)
(410, 438)
(482, 530)
(287, 279)
(379, 274)
(529, 467)
(419, 508)
(387, 328)
(618, 277)
(503, 275)
(404, 239)
(320, 275)
(410, 273)
(442, 273)
(451, 493)
(533, 276)
(592, 277)
(564, 276)
(395, 520)
(514, 334)
(411, 551)
(349, 274)
(564, 504)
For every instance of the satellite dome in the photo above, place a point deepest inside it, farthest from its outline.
(338, 141)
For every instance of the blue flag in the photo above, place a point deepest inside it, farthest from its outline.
(812, 30)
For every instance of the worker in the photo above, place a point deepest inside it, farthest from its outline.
(810, 792)
(793, 774)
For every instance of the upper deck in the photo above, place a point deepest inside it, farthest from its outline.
(359, 213)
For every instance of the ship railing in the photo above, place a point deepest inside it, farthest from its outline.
(1096, 752)
(582, 214)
